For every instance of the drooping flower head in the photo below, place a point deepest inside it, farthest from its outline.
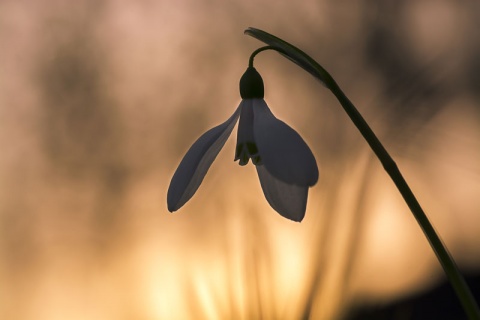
(285, 164)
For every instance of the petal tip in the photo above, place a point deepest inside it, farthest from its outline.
(294, 218)
(289, 200)
(171, 208)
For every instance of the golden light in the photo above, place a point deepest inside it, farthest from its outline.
(100, 100)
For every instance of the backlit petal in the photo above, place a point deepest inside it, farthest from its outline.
(287, 199)
(196, 162)
(283, 152)
(246, 147)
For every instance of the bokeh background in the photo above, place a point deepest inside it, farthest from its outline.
(99, 100)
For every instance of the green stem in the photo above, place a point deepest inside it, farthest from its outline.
(254, 53)
(311, 66)
(454, 276)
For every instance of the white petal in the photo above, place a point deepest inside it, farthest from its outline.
(246, 148)
(287, 199)
(196, 162)
(283, 152)
(245, 125)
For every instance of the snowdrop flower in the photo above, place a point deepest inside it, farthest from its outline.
(285, 165)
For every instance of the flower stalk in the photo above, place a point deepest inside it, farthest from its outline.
(311, 66)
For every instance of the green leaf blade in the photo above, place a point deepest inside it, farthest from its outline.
(294, 54)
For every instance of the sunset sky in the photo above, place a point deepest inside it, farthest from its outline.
(100, 100)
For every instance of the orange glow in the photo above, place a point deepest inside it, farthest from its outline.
(100, 100)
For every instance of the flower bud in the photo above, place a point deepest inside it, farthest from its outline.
(251, 84)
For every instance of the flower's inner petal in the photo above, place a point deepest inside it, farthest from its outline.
(196, 162)
(246, 148)
(245, 151)
(288, 200)
(283, 152)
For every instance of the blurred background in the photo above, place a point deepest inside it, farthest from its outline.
(99, 101)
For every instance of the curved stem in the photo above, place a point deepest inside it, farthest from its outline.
(315, 69)
(261, 49)
(454, 276)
